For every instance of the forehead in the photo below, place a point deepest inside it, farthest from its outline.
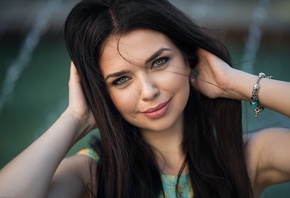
(133, 47)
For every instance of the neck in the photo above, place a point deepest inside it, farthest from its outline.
(167, 146)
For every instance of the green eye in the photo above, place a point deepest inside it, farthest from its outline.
(160, 62)
(121, 80)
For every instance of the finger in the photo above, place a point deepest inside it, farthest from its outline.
(74, 76)
(202, 53)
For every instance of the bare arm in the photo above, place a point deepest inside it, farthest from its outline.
(268, 159)
(73, 178)
(273, 94)
(217, 79)
(30, 173)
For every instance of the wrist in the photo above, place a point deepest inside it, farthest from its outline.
(81, 125)
(241, 85)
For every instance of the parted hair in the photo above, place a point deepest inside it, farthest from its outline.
(213, 138)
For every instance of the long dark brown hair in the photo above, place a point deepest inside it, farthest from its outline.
(213, 139)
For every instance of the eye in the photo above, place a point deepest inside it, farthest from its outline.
(160, 62)
(120, 81)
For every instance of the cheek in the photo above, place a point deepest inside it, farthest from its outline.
(177, 83)
(174, 80)
(180, 86)
(124, 100)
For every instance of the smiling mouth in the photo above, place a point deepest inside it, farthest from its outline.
(157, 111)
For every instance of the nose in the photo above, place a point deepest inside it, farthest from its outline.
(149, 90)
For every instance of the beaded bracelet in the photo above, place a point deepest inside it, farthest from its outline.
(254, 99)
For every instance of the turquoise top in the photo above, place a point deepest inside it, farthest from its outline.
(168, 181)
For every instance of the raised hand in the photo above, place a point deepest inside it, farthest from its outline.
(49, 150)
(213, 75)
(77, 103)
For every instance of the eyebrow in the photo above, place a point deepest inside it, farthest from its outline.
(156, 54)
(151, 58)
(116, 74)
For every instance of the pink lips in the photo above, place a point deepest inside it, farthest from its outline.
(157, 111)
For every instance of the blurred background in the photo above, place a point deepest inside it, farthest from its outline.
(34, 64)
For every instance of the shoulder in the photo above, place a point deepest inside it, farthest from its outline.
(90, 153)
(89, 158)
(267, 161)
(73, 176)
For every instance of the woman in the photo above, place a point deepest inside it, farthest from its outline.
(168, 108)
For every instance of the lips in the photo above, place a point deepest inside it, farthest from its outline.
(157, 111)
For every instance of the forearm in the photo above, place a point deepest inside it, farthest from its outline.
(30, 173)
(273, 94)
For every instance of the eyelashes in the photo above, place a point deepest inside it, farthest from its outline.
(121, 80)
(156, 64)
(159, 62)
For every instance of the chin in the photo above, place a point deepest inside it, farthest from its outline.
(161, 125)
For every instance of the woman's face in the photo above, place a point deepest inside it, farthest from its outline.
(147, 78)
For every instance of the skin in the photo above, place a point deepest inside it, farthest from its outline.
(147, 84)
(267, 161)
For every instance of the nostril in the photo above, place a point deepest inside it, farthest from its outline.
(150, 93)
